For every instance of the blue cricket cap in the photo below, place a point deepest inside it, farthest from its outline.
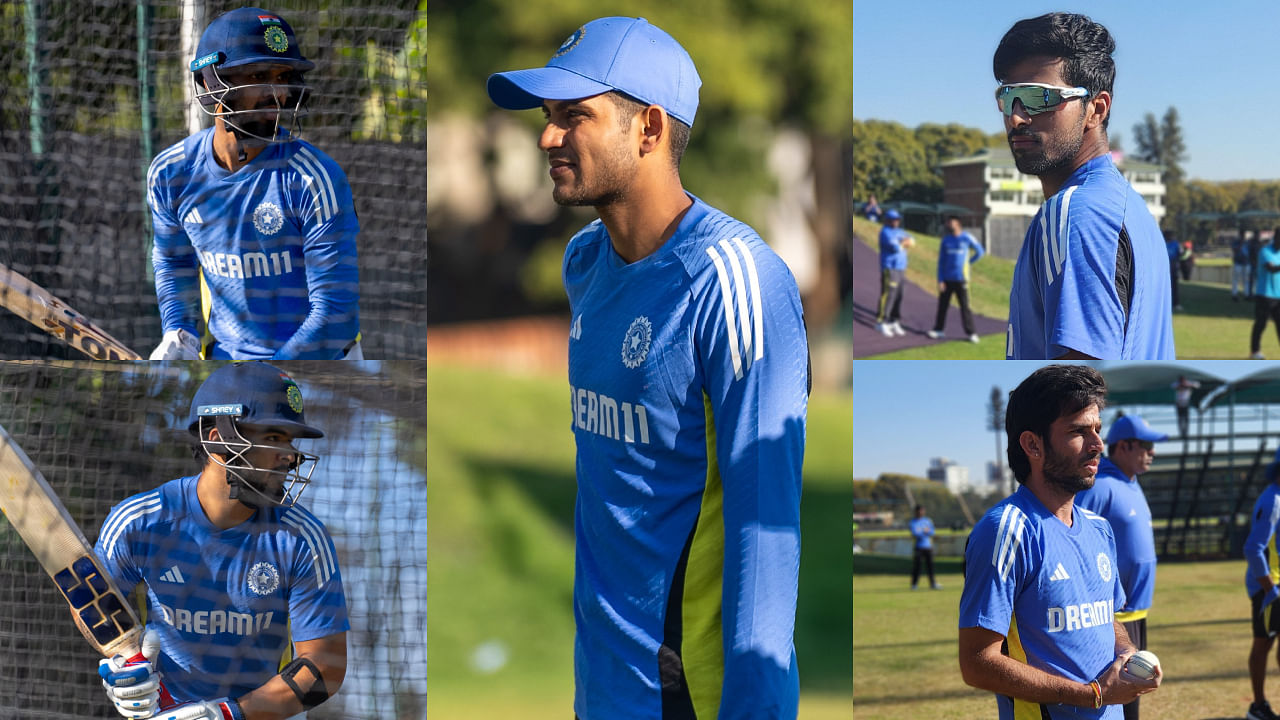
(248, 35)
(613, 53)
(252, 393)
(1132, 427)
(893, 215)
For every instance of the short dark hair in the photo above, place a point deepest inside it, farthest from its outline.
(1084, 46)
(954, 217)
(628, 107)
(1049, 393)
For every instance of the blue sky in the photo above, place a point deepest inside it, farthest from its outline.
(908, 411)
(930, 61)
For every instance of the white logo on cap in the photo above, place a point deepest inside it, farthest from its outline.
(572, 42)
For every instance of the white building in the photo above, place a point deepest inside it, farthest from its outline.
(954, 477)
(990, 185)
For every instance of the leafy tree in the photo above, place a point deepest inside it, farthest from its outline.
(886, 158)
(1161, 142)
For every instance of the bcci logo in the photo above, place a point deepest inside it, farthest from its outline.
(276, 39)
(571, 43)
(295, 398)
(1104, 567)
(264, 578)
(635, 345)
(268, 219)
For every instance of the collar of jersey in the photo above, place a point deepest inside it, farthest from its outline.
(1037, 507)
(1098, 164)
(692, 216)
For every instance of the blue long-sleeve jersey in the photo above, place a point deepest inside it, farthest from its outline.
(689, 386)
(227, 603)
(265, 255)
(955, 254)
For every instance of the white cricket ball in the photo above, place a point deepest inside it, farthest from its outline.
(1142, 665)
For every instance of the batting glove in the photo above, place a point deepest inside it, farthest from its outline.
(223, 709)
(177, 345)
(133, 686)
(1269, 598)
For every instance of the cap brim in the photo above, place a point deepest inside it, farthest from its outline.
(525, 89)
(292, 62)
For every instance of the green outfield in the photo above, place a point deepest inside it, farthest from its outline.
(500, 565)
(904, 643)
(1210, 326)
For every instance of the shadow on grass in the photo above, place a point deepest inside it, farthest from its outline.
(1211, 300)
(876, 564)
(824, 622)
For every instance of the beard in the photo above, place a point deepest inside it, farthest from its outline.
(1055, 153)
(1067, 473)
(611, 177)
(258, 483)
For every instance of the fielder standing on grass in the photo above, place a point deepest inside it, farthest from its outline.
(1266, 295)
(241, 582)
(1037, 623)
(688, 368)
(1117, 496)
(956, 252)
(255, 230)
(894, 242)
(1262, 581)
(1092, 278)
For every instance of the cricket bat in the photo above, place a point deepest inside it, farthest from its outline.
(100, 610)
(42, 309)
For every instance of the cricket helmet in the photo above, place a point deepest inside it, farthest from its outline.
(244, 37)
(256, 395)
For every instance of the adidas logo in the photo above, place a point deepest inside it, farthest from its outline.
(1059, 574)
(193, 217)
(576, 332)
(173, 575)
(1133, 511)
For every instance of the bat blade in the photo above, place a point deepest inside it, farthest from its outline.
(44, 310)
(99, 609)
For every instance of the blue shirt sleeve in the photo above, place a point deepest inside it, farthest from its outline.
(114, 553)
(978, 252)
(754, 353)
(1266, 513)
(1083, 310)
(173, 257)
(993, 575)
(329, 250)
(317, 603)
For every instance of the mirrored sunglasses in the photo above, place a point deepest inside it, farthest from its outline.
(1036, 97)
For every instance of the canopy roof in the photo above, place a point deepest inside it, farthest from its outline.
(1152, 384)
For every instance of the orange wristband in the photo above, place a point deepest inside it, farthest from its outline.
(1097, 694)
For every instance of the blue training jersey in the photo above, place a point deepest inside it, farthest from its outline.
(1260, 546)
(1121, 501)
(1066, 294)
(922, 531)
(1050, 590)
(226, 603)
(689, 385)
(266, 256)
(892, 255)
(955, 254)
(1267, 283)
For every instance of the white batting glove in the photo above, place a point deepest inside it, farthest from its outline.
(133, 688)
(224, 709)
(177, 345)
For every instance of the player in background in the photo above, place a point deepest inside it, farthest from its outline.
(1041, 586)
(894, 242)
(1092, 278)
(1262, 581)
(956, 252)
(688, 373)
(1117, 496)
(1266, 295)
(922, 530)
(255, 230)
(242, 583)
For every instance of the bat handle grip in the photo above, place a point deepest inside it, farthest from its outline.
(166, 700)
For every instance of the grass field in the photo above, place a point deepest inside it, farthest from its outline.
(904, 644)
(500, 565)
(1209, 327)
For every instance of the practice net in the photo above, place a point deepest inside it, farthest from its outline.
(87, 100)
(101, 433)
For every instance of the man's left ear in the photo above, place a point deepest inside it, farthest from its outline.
(1100, 104)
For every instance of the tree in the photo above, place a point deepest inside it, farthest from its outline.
(886, 157)
(1161, 142)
